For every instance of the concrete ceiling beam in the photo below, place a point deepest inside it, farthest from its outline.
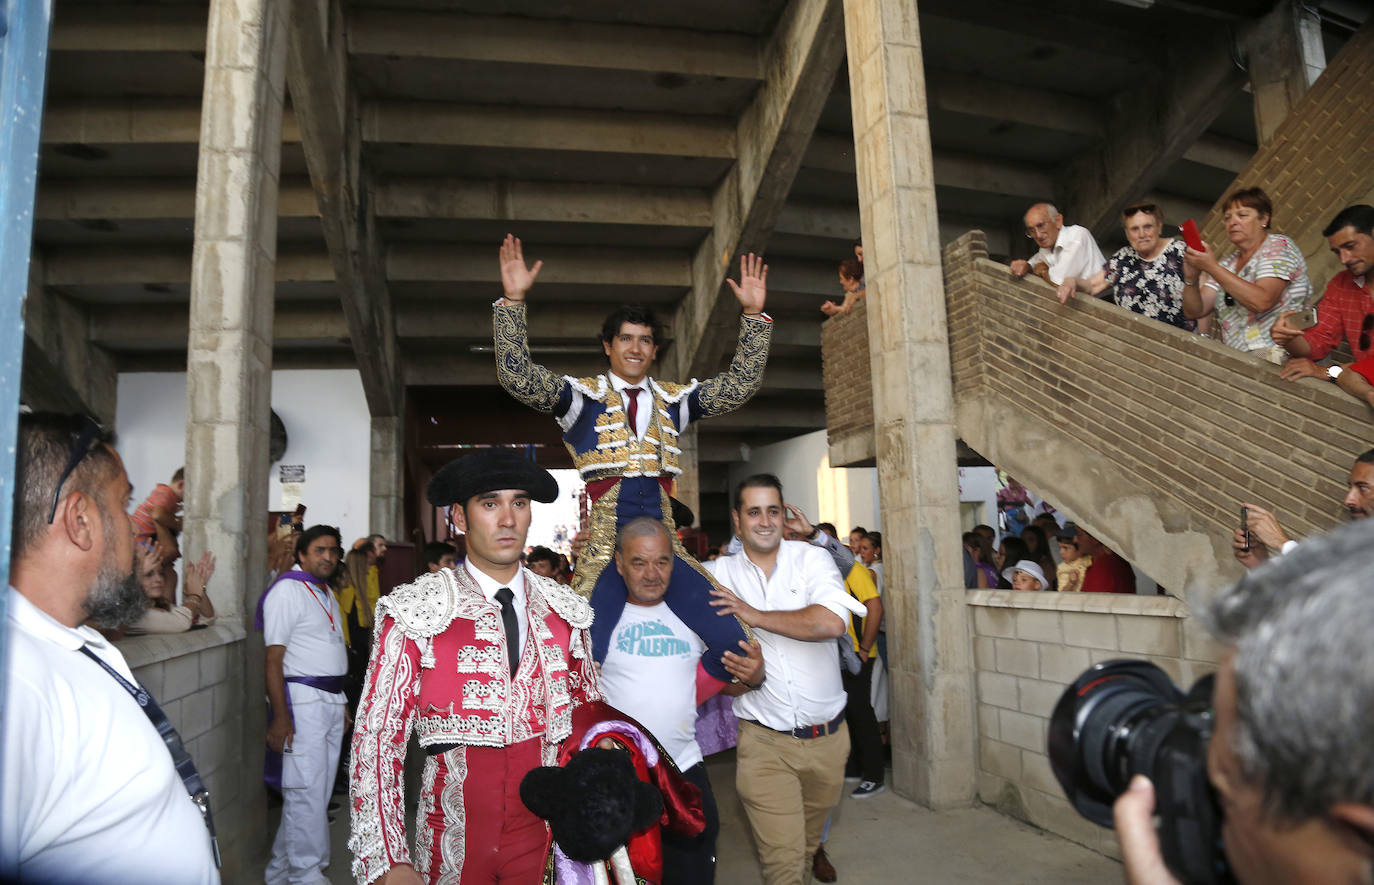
(565, 264)
(802, 58)
(80, 265)
(553, 129)
(120, 27)
(835, 153)
(165, 327)
(1219, 152)
(976, 97)
(120, 199)
(774, 414)
(1034, 22)
(511, 40)
(543, 201)
(135, 121)
(325, 103)
(1150, 128)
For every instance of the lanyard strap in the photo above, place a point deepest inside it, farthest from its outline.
(324, 608)
(181, 760)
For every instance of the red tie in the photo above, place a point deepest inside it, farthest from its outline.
(633, 394)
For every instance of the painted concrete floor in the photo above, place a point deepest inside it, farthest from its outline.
(885, 839)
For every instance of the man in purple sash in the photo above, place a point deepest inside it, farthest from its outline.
(306, 664)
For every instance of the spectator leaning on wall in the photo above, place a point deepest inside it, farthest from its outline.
(1065, 250)
(1268, 537)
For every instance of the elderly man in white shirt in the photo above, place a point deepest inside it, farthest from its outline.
(1065, 250)
(793, 741)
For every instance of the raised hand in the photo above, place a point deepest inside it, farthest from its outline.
(752, 288)
(796, 521)
(516, 277)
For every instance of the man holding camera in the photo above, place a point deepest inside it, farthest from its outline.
(1268, 537)
(1290, 756)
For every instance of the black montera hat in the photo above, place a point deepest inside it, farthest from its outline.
(490, 470)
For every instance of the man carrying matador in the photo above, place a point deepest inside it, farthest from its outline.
(621, 428)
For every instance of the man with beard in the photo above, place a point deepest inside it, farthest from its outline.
(307, 663)
(1267, 537)
(89, 791)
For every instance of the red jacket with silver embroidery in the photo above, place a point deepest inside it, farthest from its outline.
(439, 667)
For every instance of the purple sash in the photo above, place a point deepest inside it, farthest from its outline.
(272, 762)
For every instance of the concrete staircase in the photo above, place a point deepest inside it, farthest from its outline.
(1151, 437)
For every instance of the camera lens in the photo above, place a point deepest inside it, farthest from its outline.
(1099, 727)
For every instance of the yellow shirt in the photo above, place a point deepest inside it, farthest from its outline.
(860, 585)
(374, 589)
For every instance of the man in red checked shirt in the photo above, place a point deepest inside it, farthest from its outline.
(1346, 309)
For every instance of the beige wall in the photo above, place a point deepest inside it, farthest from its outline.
(1027, 647)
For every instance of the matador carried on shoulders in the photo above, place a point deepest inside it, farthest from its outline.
(621, 428)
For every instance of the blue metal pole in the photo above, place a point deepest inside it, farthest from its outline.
(24, 28)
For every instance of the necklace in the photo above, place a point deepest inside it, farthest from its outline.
(324, 608)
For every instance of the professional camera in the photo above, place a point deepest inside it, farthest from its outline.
(1123, 718)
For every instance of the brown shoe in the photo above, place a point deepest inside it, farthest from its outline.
(821, 867)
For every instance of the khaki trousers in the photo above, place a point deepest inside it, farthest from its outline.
(788, 786)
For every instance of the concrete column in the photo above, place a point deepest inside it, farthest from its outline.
(386, 480)
(1286, 57)
(913, 411)
(229, 362)
(687, 488)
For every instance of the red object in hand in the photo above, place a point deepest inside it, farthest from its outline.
(1191, 236)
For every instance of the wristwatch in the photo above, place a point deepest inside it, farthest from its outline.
(1333, 373)
(816, 530)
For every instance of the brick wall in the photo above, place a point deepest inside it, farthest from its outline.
(1027, 647)
(1320, 160)
(848, 388)
(1150, 435)
(198, 678)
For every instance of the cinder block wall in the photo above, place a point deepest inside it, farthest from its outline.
(199, 680)
(848, 387)
(1027, 647)
(1319, 161)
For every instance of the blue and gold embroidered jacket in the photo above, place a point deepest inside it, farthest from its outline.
(591, 411)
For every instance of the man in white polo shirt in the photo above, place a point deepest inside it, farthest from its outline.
(793, 741)
(307, 661)
(651, 673)
(88, 789)
(1066, 250)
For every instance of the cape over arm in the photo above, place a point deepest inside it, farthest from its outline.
(386, 715)
(519, 375)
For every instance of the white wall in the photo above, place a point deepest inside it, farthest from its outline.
(846, 496)
(327, 425)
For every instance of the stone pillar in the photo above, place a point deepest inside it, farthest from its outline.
(386, 479)
(229, 361)
(687, 487)
(1286, 57)
(913, 410)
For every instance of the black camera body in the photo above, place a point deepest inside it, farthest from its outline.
(1122, 718)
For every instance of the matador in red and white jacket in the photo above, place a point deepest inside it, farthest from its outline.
(439, 669)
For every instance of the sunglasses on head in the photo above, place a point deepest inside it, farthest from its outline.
(1150, 208)
(85, 439)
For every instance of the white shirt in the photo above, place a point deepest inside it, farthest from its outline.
(1075, 254)
(650, 672)
(89, 793)
(801, 679)
(490, 585)
(305, 618)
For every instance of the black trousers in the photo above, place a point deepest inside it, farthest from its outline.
(693, 861)
(866, 744)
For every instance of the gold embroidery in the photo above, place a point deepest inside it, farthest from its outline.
(732, 388)
(600, 543)
(522, 378)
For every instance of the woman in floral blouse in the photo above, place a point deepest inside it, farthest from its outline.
(1249, 288)
(1147, 274)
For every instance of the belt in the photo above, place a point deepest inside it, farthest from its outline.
(806, 732)
(330, 684)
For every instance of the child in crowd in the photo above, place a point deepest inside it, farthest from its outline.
(1075, 564)
(1025, 575)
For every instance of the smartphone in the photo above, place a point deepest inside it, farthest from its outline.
(1303, 319)
(1245, 526)
(1191, 236)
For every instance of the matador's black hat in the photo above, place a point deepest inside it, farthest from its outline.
(490, 470)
